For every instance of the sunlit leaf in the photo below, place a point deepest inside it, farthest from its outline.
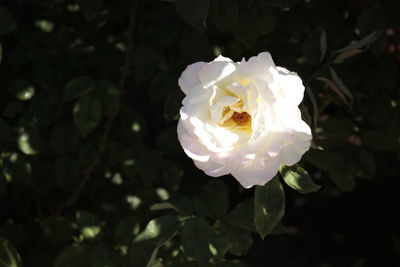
(157, 232)
(9, 257)
(298, 178)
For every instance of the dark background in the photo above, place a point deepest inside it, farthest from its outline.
(89, 104)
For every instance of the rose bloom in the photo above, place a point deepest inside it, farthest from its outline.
(242, 118)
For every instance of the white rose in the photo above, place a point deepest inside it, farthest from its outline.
(242, 118)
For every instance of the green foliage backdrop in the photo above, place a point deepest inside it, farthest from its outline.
(92, 174)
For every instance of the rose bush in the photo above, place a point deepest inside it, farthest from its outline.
(242, 118)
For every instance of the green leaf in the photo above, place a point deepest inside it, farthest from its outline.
(87, 114)
(126, 230)
(298, 178)
(66, 173)
(7, 22)
(5, 133)
(57, 229)
(3, 184)
(269, 206)
(90, 8)
(341, 85)
(323, 44)
(75, 255)
(9, 257)
(193, 12)
(179, 203)
(77, 87)
(89, 225)
(362, 44)
(21, 89)
(29, 141)
(101, 255)
(224, 14)
(243, 215)
(255, 19)
(109, 96)
(195, 238)
(157, 232)
(239, 240)
(216, 196)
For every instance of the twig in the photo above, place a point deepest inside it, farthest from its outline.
(103, 142)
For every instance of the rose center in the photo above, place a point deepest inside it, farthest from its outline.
(242, 118)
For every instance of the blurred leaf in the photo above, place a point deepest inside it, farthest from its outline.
(314, 47)
(87, 114)
(195, 236)
(74, 255)
(64, 138)
(57, 229)
(218, 243)
(370, 20)
(193, 12)
(168, 142)
(347, 54)
(7, 22)
(29, 141)
(3, 184)
(298, 178)
(109, 96)
(323, 45)
(13, 109)
(66, 172)
(146, 62)
(77, 87)
(9, 257)
(160, 86)
(21, 89)
(243, 215)
(5, 134)
(1, 52)
(255, 19)
(172, 104)
(89, 225)
(157, 232)
(269, 206)
(233, 263)
(126, 230)
(224, 14)
(239, 240)
(15, 233)
(216, 197)
(101, 255)
(90, 8)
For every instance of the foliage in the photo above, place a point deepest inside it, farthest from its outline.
(92, 174)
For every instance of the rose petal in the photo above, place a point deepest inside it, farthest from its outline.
(190, 77)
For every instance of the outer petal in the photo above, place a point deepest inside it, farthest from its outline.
(190, 145)
(215, 71)
(291, 86)
(256, 67)
(292, 153)
(258, 172)
(190, 77)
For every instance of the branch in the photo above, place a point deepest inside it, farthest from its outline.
(103, 142)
